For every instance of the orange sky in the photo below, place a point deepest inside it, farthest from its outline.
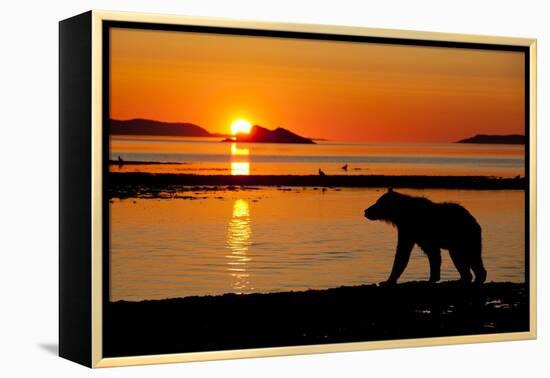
(324, 89)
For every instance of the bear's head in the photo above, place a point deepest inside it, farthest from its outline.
(387, 207)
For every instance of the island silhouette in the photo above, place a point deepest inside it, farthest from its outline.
(259, 134)
(494, 139)
(149, 127)
(142, 126)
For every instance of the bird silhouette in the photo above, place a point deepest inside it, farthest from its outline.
(321, 173)
(345, 167)
(120, 159)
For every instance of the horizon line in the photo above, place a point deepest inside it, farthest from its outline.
(218, 134)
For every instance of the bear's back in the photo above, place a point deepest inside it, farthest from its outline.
(438, 224)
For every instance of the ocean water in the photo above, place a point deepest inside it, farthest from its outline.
(210, 156)
(280, 239)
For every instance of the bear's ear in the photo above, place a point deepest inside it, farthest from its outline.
(390, 189)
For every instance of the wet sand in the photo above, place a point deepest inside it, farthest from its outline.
(345, 314)
(127, 185)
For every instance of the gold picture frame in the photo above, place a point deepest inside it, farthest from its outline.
(82, 276)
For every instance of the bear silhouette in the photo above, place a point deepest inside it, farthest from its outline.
(432, 226)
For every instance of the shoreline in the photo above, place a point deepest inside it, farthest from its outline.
(136, 184)
(344, 314)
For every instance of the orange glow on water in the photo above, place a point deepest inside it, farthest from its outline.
(272, 240)
(254, 158)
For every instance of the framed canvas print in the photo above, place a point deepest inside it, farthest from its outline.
(236, 189)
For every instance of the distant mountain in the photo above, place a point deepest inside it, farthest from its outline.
(495, 139)
(139, 126)
(259, 134)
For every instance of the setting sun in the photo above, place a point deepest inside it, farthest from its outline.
(240, 126)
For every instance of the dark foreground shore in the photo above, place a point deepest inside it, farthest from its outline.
(125, 185)
(345, 314)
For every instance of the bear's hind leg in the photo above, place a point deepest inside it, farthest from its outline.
(479, 270)
(461, 263)
(434, 256)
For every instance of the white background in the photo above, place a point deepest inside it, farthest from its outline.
(29, 188)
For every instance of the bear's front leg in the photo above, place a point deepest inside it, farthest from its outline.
(402, 255)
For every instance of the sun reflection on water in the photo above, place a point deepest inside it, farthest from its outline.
(240, 168)
(235, 150)
(238, 240)
(239, 160)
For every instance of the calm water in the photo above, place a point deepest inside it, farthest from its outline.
(271, 239)
(210, 156)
